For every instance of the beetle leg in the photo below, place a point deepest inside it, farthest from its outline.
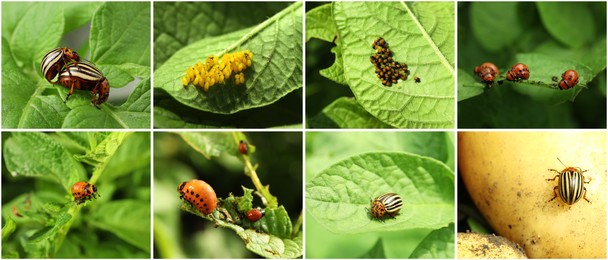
(555, 177)
(71, 91)
(554, 194)
(585, 195)
(96, 97)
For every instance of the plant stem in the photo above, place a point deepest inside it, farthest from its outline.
(272, 201)
(296, 227)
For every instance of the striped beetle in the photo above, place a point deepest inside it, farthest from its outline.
(86, 76)
(570, 185)
(54, 61)
(388, 203)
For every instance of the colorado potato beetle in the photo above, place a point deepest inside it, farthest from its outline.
(518, 71)
(86, 76)
(243, 147)
(487, 72)
(254, 215)
(569, 80)
(199, 194)
(571, 184)
(55, 60)
(83, 191)
(388, 203)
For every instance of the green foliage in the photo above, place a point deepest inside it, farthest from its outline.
(275, 42)
(346, 170)
(419, 34)
(214, 158)
(119, 43)
(37, 195)
(549, 40)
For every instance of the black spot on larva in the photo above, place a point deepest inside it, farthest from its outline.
(197, 195)
(201, 200)
(191, 192)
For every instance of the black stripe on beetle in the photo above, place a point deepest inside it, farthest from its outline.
(388, 203)
(570, 186)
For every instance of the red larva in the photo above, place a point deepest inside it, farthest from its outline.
(199, 194)
(518, 71)
(487, 72)
(569, 80)
(243, 147)
(83, 191)
(254, 215)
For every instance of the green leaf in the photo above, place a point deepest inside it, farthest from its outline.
(570, 23)
(543, 68)
(36, 154)
(210, 143)
(320, 24)
(468, 85)
(218, 17)
(105, 149)
(336, 71)
(339, 197)
(8, 229)
(325, 149)
(594, 56)
(345, 113)
(438, 244)
(375, 252)
(36, 33)
(127, 219)
(120, 33)
(12, 13)
(277, 65)
(421, 35)
(496, 25)
(133, 154)
(134, 113)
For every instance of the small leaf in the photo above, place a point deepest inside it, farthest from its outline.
(468, 85)
(8, 228)
(127, 219)
(276, 71)
(496, 25)
(336, 71)
(437, 244)
(105, 149)
(339, 197)
(421, 35)
(574, 27)
(345, 113)
(319, 24)
(37, 154)
(375, 252)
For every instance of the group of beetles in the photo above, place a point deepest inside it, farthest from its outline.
(487, 72)
(75, 73)
(202, 196)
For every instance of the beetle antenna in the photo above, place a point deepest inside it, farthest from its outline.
(561, 162)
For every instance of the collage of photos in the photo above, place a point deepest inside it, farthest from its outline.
(310, 130)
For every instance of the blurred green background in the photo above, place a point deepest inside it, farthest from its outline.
(178, 234)
(498, 31)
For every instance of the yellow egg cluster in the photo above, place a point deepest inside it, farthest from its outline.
(216, 71)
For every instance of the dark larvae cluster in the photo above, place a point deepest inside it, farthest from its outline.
(387, 69)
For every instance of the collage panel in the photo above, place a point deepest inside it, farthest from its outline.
(76, 195)
(380, 195)
(76, 65)
(228, 64)
(228, 195)
(532, 65)
(380, 64)
(532, 194)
